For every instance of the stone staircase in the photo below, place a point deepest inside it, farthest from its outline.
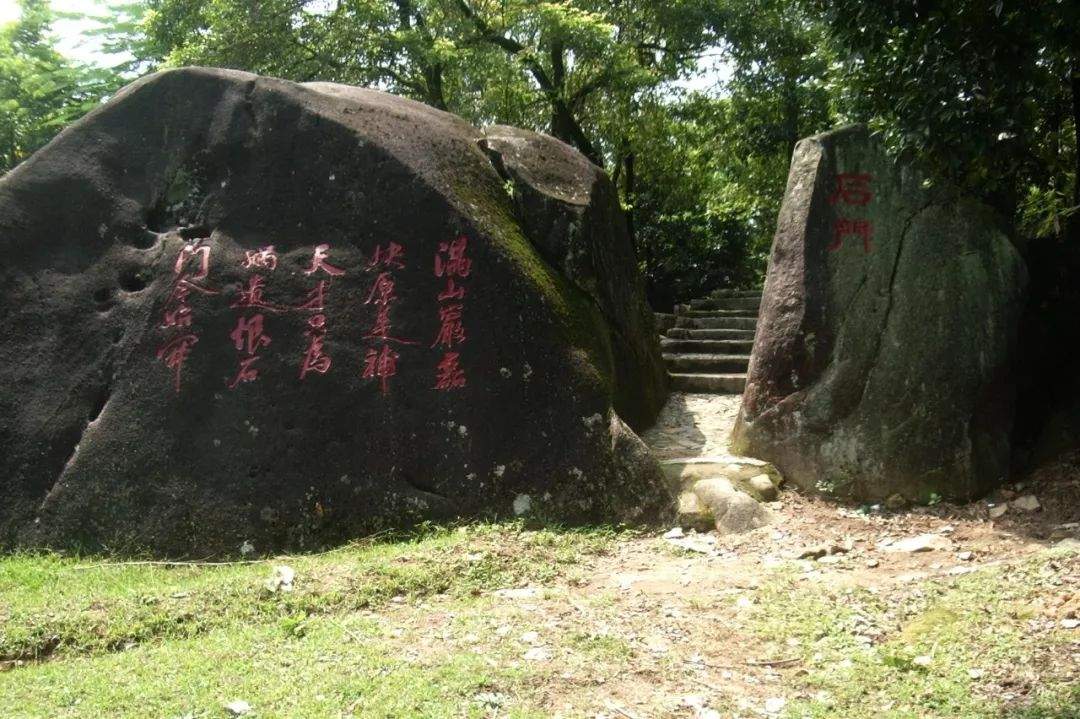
(706, 344)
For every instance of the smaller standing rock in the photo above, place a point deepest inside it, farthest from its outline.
(1027, 503)
(734, 511)
(998, 510)
(692, 514)
(762, 485)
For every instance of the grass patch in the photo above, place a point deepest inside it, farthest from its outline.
(52, 605)
(958, 648)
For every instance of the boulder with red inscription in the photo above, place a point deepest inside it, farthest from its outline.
(883, 356)
(241, 312)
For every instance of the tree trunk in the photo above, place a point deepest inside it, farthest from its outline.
(1075, 85)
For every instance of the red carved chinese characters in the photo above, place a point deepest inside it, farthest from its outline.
(249, 335)
(318, 262)
(448, 375)
(451, 263)
(315, 357)
(191, 268)
(381, 363)
(262, 259)
(315, 360)
(175, 352)
(851, 189)
(390, 256)
(252, 295)
(846, 226)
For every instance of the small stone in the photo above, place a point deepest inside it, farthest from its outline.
(965, 556)
(1026, 503)
(537, 654)
(774, 705)
(1070, 623)
(238, 708)
(763, 486)
(895, 502)
(813, 552)
(674, 533)
(975, 673)
(922, 661)
(919, 543)
(531, 638)
(281, 580)
(871, 563)
(1071, 545)
(998, 510)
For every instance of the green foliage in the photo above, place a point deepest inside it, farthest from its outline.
(40, 91)
(983, 94)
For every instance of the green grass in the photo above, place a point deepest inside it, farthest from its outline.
(98, 639)
(410, 628)
(973, 629)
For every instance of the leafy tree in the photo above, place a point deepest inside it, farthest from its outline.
(40, 91)
(984, 94)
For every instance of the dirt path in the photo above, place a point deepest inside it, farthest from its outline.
(693, 425)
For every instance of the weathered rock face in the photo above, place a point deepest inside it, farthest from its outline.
(570, 211)
(237, 309)
(882, 358)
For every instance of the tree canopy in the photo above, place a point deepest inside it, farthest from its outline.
(983, 95)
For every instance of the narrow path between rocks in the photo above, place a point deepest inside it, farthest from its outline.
(693, 425)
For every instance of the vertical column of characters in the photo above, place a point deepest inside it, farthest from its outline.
(852, 189)
(315, 359)
(177, 314)
(249, 335)
(451, 263)
(380, 362)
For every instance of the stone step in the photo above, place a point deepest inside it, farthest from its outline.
(664, 321)
(727, 303)
(686, 333)
(735, 293)
(732, 347)
(708, 383)
(752, 314)
(716, 323)
(710, 363)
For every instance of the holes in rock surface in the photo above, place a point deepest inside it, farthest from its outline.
(132, 281)
(194, 232)
(104, 298)
(143, 239)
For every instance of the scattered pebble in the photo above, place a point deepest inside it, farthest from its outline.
(1026, 503)
(238, 708)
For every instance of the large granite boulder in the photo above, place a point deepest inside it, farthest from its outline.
(241, 311)
(885, 341)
